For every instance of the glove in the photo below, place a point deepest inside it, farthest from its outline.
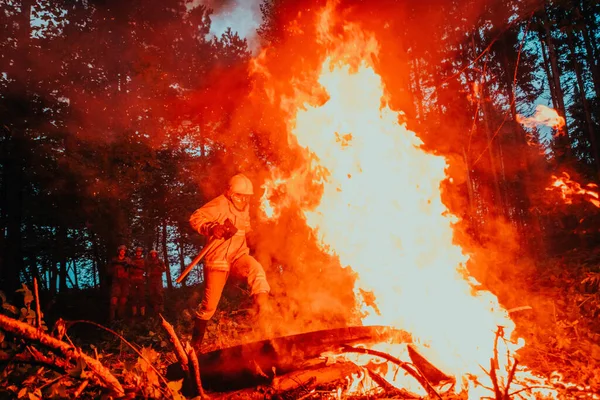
(218, 231)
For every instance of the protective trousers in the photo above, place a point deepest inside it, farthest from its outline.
(215, 280)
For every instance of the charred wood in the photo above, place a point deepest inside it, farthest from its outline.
(429, 371)
(255, 364)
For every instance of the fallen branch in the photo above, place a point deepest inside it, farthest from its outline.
(80, 389)
(37, 358)
(38, 313)
(194, 367)
(123, 340)
(29, 332)
(179, 351)
(404, 365)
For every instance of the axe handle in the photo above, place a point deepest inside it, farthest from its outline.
(197, 259)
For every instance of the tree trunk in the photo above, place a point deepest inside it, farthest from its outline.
(499, 203)
(61, 240)
(586, 107)
(472, 218)
(52, 281)
(4, 154)
(589, 16)
(95, 272)
(555, 69)
(549, 77)
(96, 256)
(33, 270)
(181, 255)
(589, 54)
(166, 254)
(13, 245)
(75, 273)
(512, 102)
(14, 167)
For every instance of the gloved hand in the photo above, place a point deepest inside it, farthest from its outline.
(218, 231)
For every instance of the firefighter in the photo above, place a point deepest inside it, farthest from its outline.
(137, 277)
(233, 252)
(118, 269)
(155, 268)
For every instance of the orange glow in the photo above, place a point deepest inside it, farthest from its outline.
(570, 188)
(381, 213)
(543, 116)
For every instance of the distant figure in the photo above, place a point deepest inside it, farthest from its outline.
(155, 268)
(137, 276)
(118, 269)
(232, 252)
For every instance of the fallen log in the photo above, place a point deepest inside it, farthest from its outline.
(310, 378)
(296, 384)
(255, 364)
(105, 377)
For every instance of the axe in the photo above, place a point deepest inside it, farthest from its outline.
(230, 230)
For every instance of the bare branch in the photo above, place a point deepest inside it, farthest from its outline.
(29, 332)
(179, 351)
(404, 365)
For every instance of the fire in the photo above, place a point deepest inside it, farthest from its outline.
(570, 188)
(543, 116)
(381, 213)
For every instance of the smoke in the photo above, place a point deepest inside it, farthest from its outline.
(242, 16)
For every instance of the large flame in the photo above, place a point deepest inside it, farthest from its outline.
(381, 212)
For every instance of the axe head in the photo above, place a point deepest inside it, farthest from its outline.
(230, 228)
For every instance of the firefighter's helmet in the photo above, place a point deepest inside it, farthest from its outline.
(240, 184)
(122, 247)
(138, 249)
(153, 251)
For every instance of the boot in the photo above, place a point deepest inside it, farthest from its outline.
(263, 316)
(198, 334)
(261, 300)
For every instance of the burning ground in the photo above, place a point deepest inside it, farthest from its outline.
(371, 216)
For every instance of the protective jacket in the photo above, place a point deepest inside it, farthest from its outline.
(118, 268)
(155, 268)
(137, 269)
(215, 212)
